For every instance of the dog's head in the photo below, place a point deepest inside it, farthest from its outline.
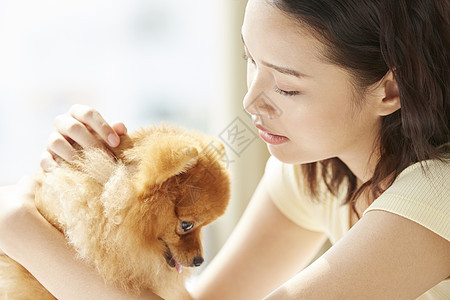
(182, 185)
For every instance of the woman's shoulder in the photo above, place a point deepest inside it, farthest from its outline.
(420, 193)
(421, 178)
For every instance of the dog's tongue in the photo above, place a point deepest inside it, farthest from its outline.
(178, 267)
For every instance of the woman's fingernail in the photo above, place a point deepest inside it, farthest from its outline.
(113, 140)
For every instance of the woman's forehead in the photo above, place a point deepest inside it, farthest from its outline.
(272, 36)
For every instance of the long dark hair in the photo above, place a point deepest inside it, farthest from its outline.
(369, 38)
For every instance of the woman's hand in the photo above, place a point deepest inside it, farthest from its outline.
(16, 204)
(81, 125)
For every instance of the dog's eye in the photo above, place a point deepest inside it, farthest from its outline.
(186, 226)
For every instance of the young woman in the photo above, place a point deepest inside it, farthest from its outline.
(352, 99)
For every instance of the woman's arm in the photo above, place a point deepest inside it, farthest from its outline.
(265, 250)
(384, 256)
(29, 239)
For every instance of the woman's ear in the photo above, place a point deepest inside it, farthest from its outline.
(390, 103)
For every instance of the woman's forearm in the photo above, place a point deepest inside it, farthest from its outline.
(47, 256)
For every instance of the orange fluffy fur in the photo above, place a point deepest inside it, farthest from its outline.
(123, 214)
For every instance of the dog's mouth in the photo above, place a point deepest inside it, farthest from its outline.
(171, 261)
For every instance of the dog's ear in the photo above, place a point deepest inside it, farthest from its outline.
(163, 159)
(177, 162)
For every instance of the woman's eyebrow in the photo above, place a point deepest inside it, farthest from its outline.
(282, 70)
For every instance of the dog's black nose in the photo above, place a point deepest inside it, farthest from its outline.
(198, 260)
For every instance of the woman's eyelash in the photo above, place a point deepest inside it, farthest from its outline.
(248, 58)
(286, 93)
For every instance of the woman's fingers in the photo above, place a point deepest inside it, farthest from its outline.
(60, 146)
(47, 161)
(119, 128)
(73, 130)
(89, 116)
(83, 126)
(57, 145)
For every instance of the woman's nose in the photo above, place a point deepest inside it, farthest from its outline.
(260, 105)
(256, 102)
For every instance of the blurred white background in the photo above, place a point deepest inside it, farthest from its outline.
(136, 61)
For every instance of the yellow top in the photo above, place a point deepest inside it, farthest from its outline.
(415, 195)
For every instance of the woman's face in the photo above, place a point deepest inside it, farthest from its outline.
(304, 107)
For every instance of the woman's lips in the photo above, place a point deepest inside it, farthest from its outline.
(271, 138)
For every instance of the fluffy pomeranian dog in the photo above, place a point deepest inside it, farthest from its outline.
(136, 215)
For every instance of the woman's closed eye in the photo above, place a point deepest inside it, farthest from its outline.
(286, 93)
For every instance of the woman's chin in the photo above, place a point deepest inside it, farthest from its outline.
(292, 156)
